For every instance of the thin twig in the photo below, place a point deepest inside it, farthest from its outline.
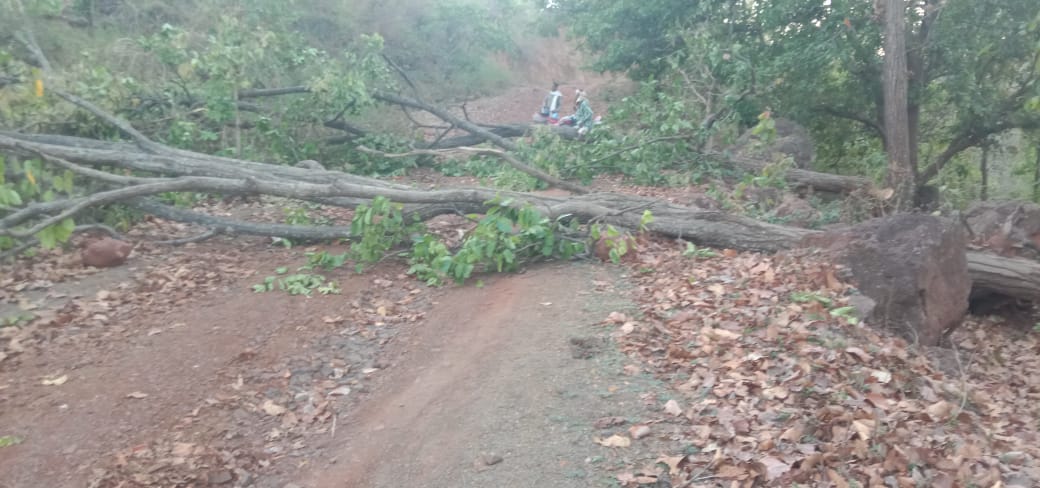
(441, 136)
(189, 240)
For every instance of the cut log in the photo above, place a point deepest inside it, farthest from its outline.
(1013, 277)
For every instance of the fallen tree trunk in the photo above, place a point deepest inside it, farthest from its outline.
(1013, 277)
(179, 170)
(518, 130)
(1009, 276)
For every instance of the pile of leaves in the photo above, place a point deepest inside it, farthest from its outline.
(778, 384)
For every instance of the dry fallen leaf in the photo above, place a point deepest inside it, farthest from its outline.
(722, 334)
(940, 410)
(182, 449)
(672, 462)
(859, 354)
(776, 392)
(837, 479)
(137, 395)
(604, 422)
(614, 441)
(639, 431)
(272, 409)
(882, 377)
(58, 381)
(775, 468)
(729, 471)
(864, 428)
(341, 391)
(793, 434)
(673, 408)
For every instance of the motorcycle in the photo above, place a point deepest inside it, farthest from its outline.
(540, 118)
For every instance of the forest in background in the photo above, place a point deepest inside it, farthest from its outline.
(209, 76)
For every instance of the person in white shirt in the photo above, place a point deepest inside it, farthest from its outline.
(551, 104)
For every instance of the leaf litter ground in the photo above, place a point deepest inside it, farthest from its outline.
(779, 390)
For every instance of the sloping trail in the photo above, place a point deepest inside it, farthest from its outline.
(437, 379)
(504, 371)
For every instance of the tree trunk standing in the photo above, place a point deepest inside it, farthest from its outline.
(1036, 176)
(984, 169)
(89, 7)
(238, 127)
(897, 124)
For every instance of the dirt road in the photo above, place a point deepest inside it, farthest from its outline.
(513, 375)
(388, 384)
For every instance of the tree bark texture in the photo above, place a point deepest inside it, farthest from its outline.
(897, 125)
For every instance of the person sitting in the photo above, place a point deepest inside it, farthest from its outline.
(583, 114)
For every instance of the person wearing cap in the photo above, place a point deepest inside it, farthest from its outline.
(583, 113)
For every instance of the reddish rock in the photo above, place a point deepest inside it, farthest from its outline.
(913, 266)
(106, 253)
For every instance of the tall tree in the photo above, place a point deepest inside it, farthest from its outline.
(970, 67)
(901, 170)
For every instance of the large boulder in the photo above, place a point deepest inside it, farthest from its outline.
(792, 140)
(913, 266)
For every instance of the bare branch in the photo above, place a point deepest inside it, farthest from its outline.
(28, 39)
(872, 125)
(189, 240)
(404, 76)
(222, 225)
(143, 141)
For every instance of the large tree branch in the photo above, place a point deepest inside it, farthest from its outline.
(28, 39)
(182, 163)
(233, 226)
(142, 140)
(972, 137)
(399, 100)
